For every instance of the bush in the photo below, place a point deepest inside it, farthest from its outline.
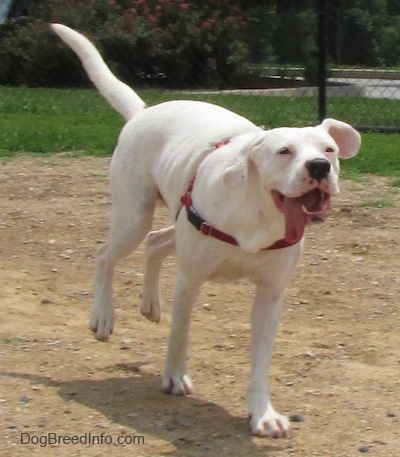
(31, 56)
(391, 43)
(166, 42)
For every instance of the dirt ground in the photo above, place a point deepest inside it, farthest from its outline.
(336, 362)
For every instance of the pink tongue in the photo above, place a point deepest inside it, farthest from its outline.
(295, 219)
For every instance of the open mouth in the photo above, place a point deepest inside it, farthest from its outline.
(298, 211)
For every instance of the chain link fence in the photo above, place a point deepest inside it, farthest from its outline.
(327, 56)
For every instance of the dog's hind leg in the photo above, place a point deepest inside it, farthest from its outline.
(160, 244)
(127, 232)
(133, 203)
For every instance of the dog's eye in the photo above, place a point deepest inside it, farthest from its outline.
(329, 149)
(284, 151)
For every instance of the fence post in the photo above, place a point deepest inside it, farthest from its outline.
(321, 60)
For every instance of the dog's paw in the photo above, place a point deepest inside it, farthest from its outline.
(101, 323)
(151, 309)
(270, 424)
(177, 385)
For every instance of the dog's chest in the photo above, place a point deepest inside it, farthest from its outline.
(268, 267)
(228, 270)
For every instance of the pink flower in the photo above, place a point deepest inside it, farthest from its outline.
(184, 6)
(208, 24)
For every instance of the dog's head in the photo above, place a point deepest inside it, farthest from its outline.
(298, 168)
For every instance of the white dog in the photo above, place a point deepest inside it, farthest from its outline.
(240, 198)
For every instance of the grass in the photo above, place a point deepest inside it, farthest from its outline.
(365, 111)
(379, 155)
(79, 120)
(381, 203)
(48, 121)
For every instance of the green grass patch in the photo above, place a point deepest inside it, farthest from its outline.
(12, 340)
(80, 121)
(54, 120)
(49, 120)
(267, 111)
(381, 203)
(379, 155)
(365, 111)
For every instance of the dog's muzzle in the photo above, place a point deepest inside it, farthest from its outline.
(298, 211)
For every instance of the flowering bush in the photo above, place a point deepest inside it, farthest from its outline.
(174, 43)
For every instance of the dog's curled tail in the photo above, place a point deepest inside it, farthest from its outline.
(120, 96)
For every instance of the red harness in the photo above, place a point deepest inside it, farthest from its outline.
(206, 229)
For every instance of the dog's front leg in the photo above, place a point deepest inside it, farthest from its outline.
(176, 380)
(265, 421)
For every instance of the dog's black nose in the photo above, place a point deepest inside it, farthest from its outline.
(318, 169)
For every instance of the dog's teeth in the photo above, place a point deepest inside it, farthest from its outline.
(312, 213)
(307, 212)
(325, 206)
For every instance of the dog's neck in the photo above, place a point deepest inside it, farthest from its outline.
(246, 213)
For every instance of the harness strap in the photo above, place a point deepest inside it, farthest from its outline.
(205, 228)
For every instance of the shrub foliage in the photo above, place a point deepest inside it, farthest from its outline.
(192, 43)
(168, 42)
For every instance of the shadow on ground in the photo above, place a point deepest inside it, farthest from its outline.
(136, 402)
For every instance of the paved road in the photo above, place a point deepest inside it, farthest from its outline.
(374, 88)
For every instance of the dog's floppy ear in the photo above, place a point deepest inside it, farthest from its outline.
(345, 136)
(237, 173)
